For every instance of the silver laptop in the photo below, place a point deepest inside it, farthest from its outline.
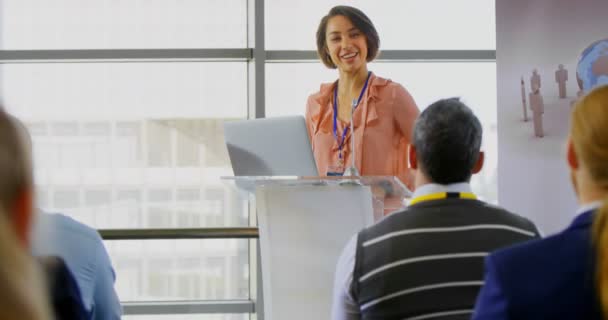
(270, 147)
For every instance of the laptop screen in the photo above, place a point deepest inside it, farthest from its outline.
(270, 147)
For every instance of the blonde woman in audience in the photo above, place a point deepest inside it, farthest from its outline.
(564, 276)
(16, 205)
(601, 219)
(82, 250)
(21, 283)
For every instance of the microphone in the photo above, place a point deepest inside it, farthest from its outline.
(352, 171)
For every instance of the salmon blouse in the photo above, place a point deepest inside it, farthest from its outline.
(383, 126)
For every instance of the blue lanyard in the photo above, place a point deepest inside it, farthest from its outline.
(341, 141)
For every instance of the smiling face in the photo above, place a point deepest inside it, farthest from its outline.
(345, 44)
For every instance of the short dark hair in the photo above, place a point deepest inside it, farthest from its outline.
(360, 21)
(447, 138)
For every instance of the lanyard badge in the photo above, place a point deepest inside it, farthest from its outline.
(342, 138)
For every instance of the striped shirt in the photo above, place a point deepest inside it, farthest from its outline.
(425, 262)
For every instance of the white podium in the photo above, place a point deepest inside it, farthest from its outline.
(304, 223)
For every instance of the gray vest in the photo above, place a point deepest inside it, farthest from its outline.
(428, 259)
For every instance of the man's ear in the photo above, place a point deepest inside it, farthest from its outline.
(571, 156)
(479, 164)
(412, 157)
(22, 215)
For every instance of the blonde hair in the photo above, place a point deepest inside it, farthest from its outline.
(589, 134)
(25, 294)
(21, 280)
(15, 161)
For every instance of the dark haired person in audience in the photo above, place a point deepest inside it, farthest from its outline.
(426, 261)
(83, 251)
(384, 114)
(16, 199)
(563, 276)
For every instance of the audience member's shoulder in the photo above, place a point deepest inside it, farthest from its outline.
(567, 243)
(392, 218)
(508, 215)
(64, 222)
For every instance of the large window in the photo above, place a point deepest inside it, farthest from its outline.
(126, 100)
(140, 145)
(131, 145)
(181, 270)
(402, 24)
(111, 24)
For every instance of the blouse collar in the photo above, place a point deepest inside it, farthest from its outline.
(323, 97)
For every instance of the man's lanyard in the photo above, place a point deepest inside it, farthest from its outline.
(443, 195)
(341, 141)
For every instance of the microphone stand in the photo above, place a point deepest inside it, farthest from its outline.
(352, 171)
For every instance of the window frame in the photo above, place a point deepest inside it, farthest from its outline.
(256, 57)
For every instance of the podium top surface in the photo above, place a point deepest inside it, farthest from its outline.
(392, 186)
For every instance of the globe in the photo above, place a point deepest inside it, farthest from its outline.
(592, 69)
